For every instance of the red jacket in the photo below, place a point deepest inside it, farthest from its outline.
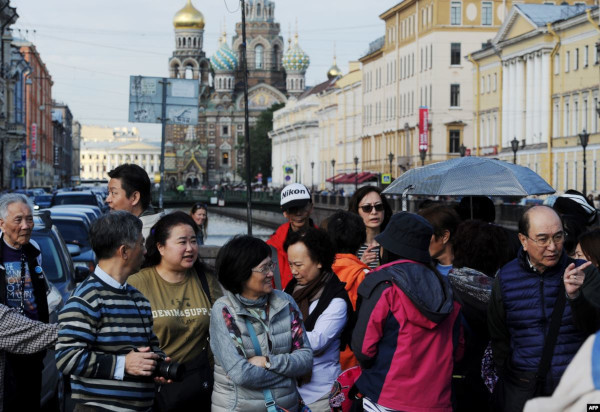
(277, 240)
(407, 328)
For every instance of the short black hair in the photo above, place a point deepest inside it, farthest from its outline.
(236, 258)
(317, 243)
(442, 218)
(133, 179)
(161, 231)
(112, 230)
(362, 192)
(481, 246)
(347, 232)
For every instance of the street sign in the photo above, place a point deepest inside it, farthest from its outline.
(146, 99)
(423, 129)
(33, 138)
(386, 178)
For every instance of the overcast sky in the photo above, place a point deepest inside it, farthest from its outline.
(91, 47)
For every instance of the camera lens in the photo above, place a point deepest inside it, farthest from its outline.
(170, 370)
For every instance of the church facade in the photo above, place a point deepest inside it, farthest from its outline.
(212, 151)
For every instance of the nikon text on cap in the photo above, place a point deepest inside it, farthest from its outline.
(294, 195)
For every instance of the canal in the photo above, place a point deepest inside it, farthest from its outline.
(222, 228)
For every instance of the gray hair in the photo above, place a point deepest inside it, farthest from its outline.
(9, 198)
(112, 230)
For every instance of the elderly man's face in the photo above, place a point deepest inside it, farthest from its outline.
(545, 240)
(17, 225)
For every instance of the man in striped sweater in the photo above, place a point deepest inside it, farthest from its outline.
(106, 342)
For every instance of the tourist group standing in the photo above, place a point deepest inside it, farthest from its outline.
(395, 312)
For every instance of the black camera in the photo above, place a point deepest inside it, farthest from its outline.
(169, 370)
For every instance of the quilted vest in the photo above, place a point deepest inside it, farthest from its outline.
(529, 298)
(227, 396)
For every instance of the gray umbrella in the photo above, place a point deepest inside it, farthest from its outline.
(470, 176)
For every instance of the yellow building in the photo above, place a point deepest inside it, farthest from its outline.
(420, 62)
(537, 82)
(322, 124)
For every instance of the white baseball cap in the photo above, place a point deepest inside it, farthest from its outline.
(294, 195)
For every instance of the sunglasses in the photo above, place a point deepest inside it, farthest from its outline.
(367, 208)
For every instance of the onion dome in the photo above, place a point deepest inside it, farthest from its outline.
(294, 59)
(334, 71)
(224, 58)
(189, 18)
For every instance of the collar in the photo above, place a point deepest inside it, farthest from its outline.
(106, 278)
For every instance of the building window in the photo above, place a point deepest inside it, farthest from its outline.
(225, 159)
(567, 118)
(586, 56)
(557, 63)
(495, 81)
(454, 141)
(455, 13)
(454, 53)
(567, 61)
(486, 13)
(576, 62)
(225, 130)
(259, 56)
(455, 95)
(595, 55)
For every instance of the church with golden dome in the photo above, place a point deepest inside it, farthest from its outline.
(211, 152)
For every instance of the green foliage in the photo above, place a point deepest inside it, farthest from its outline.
(260, 145)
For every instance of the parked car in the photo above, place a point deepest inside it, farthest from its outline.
(75, 230)
(61, 277)
(84, 197)
(42, 201)
(93, 212)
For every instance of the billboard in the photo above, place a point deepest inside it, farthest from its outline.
(423, 129)
(146, 98)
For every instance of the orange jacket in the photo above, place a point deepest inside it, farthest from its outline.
(352, 271)
(277, 240)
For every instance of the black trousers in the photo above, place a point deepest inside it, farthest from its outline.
(23, 382)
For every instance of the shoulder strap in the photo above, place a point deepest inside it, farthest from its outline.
(269, 401)
(276, 274)
(203, 280)
(552, 336)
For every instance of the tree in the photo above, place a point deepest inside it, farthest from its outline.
(260, 145)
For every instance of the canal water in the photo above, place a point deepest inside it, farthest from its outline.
(222, 228)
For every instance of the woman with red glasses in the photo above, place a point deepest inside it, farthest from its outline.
(373, 208)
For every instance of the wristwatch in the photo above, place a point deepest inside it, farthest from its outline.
(267, 363)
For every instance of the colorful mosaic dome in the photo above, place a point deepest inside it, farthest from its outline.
(294, 59)
(224, 58)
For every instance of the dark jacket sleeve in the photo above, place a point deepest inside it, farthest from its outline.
(586, 306)
(499, 334)
(368, 330)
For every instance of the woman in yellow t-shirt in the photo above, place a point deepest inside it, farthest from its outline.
(181, 294)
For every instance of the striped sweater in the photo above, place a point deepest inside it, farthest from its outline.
(98, 323)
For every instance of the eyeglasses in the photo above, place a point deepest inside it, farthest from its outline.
(367, 208)
(544, 241)
(266, 268)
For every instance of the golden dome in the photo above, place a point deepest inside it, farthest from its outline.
(188, 18)
(334, 71)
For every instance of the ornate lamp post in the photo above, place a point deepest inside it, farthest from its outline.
(333, 175)
(462, 150)
(584, 138)
(312, 176)
(355, 173)
(514, 143)
(422, 154)
(391, 159)
(296, 171)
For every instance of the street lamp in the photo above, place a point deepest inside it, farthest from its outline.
(584, 138)
(514, 143)
(296, 171)
(462, 150)
(312, 176)
(333, 175)
(355, 173)
(391, 159)
(422, 153)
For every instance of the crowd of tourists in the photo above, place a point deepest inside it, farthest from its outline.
(438, 310)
